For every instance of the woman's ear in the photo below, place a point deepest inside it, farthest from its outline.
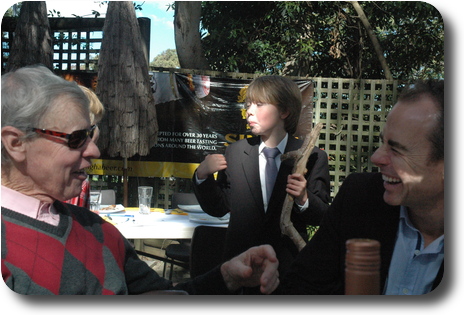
(13, 142)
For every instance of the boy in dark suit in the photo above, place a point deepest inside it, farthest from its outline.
(253, 188)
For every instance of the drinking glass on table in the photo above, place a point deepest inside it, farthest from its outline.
(94, 200)
(145, 194)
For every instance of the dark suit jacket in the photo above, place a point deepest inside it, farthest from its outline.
(238, 190)
(358, 211)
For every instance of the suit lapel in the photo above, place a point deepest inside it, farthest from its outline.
(250, 167)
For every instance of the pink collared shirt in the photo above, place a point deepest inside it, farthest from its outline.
(29, 206)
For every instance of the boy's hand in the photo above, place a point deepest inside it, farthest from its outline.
(296, 186)
(210, 165)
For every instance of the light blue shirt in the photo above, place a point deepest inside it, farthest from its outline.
(413, 269)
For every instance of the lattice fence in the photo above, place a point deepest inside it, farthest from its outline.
(76, 42)
(353, 112)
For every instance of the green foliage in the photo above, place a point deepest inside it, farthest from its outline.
(323, 38)
(167, 59)
(94, 13)
(311, 230)
(14, 10)
(53, 13)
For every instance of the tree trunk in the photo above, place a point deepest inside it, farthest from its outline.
(32, 43)
(187, 35)
(129, 126)
(374, 40)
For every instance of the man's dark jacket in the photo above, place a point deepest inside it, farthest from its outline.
(358, 211)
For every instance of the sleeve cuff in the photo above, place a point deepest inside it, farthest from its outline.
(198, 181)
(300, 209)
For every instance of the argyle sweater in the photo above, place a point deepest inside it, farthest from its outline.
(82, 255)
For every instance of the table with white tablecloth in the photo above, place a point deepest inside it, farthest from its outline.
(158, 224)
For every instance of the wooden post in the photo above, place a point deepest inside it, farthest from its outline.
(362, 272)
(125, 184)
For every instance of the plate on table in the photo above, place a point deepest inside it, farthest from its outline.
(191, 208)
(105, 209)
(207, 219)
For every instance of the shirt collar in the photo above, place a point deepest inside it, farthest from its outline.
(405, 217)
(406, 226)
(26, 205)
(281, 146)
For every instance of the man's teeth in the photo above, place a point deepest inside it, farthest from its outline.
(390, 179)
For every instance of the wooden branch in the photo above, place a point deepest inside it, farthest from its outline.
(375, 42)
(301, 157)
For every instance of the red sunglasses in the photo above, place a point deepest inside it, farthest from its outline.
(76, 139)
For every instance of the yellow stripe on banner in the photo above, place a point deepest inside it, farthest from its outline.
(142, 168)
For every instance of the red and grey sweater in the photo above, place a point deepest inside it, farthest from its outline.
(82, 255)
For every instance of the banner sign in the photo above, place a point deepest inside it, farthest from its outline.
(197, 115)
(142, 168)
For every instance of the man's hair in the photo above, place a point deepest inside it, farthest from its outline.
(30, 94)
(281, 92)
(434, 89)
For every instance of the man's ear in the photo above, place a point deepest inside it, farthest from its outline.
(12, 140)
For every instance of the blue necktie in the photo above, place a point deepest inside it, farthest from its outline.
(271, 169)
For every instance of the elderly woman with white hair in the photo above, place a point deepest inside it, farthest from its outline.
(49, 247)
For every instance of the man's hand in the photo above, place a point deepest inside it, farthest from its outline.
(257, 266)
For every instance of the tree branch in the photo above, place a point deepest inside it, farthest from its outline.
(374, 40)
(301, 158)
